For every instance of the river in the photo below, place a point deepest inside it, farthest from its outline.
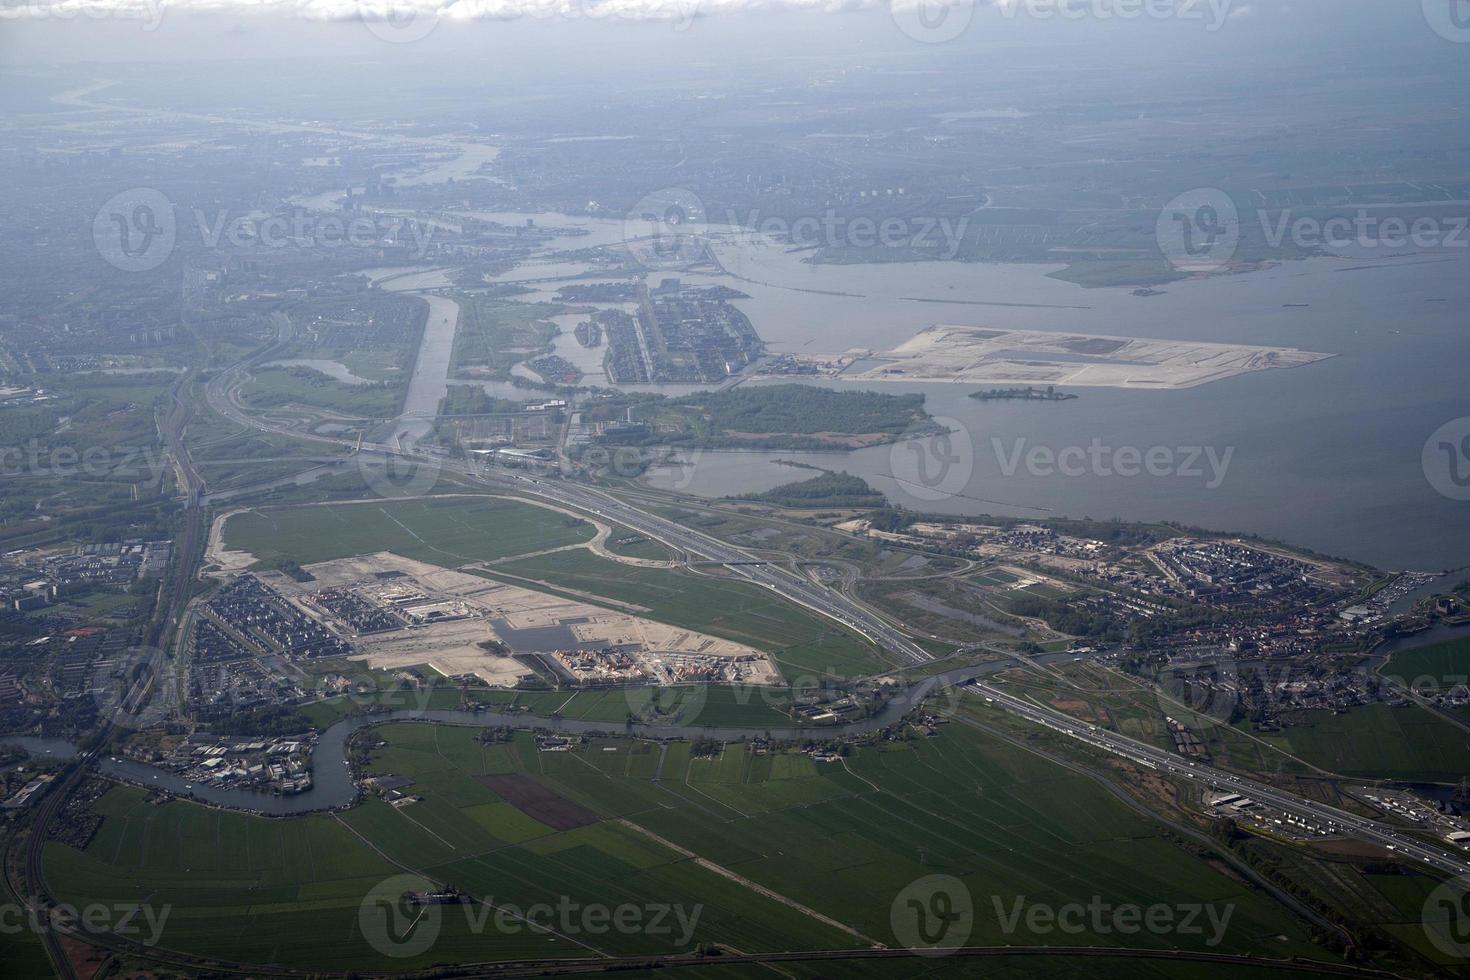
(332, 784)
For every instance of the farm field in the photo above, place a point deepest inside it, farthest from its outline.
(449, 531)
(804, 854)
(804, 644)
(245, 888)
(1433, 669)
(1379, 741)
(20, 950)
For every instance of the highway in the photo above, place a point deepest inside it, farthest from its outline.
(787, 584)
(1340, 821)
(220, 393)
(849, 612)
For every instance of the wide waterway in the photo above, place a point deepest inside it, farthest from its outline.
(1329, 456)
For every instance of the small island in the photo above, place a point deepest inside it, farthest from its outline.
(1028, 393)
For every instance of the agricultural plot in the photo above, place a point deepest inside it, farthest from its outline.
(21, 950)
(774, 849)
(1379, 741)
(844, 838)
(1433, 669)
(448, 531)
(248, 889)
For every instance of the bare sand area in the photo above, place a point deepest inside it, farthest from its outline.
(982, 355)
(448, 615)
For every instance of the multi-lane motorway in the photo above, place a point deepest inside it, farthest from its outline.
(1336, 820)
(789, 585)
(221, 396)
(851, 613)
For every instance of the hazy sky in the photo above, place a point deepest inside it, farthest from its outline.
(120, 30)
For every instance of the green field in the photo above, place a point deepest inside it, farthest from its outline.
(804, 644)
(842, 840)
(1379, 741)
(451, 531)
(497, 334)
(21, 951)
(1433, 669)
(273, 387)
(995, 577)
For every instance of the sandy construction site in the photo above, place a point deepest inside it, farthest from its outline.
(447, 615)
(981, 355)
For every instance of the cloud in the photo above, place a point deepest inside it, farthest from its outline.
(450, 11)
(400, 12)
